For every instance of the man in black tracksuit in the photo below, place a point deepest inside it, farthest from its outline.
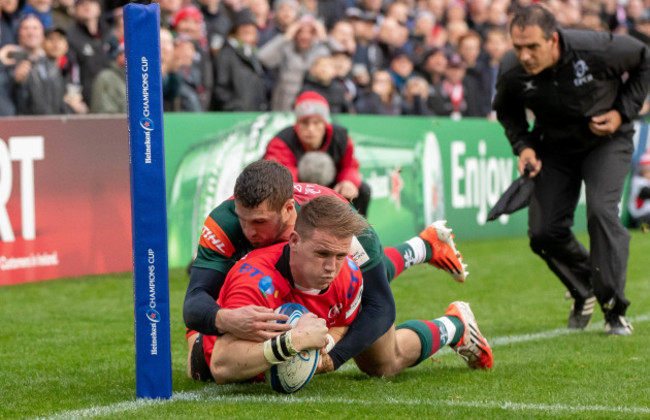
(584, 89)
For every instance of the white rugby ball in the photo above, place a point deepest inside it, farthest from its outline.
(292, 375)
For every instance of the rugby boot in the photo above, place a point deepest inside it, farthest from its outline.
(581, 312)
(445, 256)
(472, 347)
(616, 324)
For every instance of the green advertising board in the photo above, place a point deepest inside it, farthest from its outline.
(420, 170)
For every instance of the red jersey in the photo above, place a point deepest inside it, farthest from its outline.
(263, 278)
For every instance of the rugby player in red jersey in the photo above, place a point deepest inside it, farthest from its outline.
(263, 212)
(313, 269)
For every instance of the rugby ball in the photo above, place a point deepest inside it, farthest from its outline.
(292, 375)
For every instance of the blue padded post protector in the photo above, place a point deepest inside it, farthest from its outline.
(148, 201)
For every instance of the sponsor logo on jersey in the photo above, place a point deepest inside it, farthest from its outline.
(355, 303)
(335, 310)
(266, 286)
(212, 237)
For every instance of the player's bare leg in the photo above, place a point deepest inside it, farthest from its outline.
(414, 341)
(390, 354)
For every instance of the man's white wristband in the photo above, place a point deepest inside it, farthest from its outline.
(279, 349)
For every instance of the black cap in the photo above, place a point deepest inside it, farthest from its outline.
(244, 17)
(51, 31)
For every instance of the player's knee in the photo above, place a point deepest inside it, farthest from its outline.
(380, 369)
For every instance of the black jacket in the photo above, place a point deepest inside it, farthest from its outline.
(588, 80)
(238, 81)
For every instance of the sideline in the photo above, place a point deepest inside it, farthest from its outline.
(211, 394)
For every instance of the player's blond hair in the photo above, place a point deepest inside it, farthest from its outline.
(329, 214)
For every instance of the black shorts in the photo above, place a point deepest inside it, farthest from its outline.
(198, 366)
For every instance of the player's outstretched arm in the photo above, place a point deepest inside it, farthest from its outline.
(236, 360)
(377, 315)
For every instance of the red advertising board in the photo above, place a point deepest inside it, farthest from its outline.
(64, 198)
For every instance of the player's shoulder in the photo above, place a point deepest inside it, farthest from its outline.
(221, 230)
(257, 275)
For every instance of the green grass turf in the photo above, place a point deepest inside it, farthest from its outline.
(67, 346)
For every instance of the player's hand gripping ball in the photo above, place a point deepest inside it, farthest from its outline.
(292, 375)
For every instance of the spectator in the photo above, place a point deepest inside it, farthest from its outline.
(261, 12)
(198, 78)
(455, 30)
(343, 81)
(7, 107)
(168, 10)
(363, 25)
(56, 49)
(639, 202)
(109, 88)
(341, 38)
(42, 9)
(292, 54)
(170, 62)
(38, 87)
(63, 14)
(497, 43)
(415, 97)
(314, 132)
(434, 66)
(321, 79)
(8, 22)
(423, 31)
(238, 74)
(217, 23)
(391, 37)
(477, 16)
(90, 40)
(399, 11)
(450, 96)
(477, 76)
(400, 68)
(382, 98)
(285, 13)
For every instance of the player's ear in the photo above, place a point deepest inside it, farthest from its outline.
(289, 206)
(294, 239)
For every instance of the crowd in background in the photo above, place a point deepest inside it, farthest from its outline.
(402, 57)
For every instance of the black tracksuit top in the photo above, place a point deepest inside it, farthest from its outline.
(596, 72)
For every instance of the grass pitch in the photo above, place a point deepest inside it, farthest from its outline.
(67, 351)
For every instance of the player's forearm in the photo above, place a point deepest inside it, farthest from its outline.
(235, 360)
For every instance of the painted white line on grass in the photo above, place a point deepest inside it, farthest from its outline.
(216, 393)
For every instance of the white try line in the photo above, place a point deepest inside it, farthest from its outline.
(220, 393)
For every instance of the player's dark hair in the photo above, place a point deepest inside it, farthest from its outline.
(264, 180)
(330, 214)
(535, 15)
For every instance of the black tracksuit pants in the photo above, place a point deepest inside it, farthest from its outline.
(602, 270)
